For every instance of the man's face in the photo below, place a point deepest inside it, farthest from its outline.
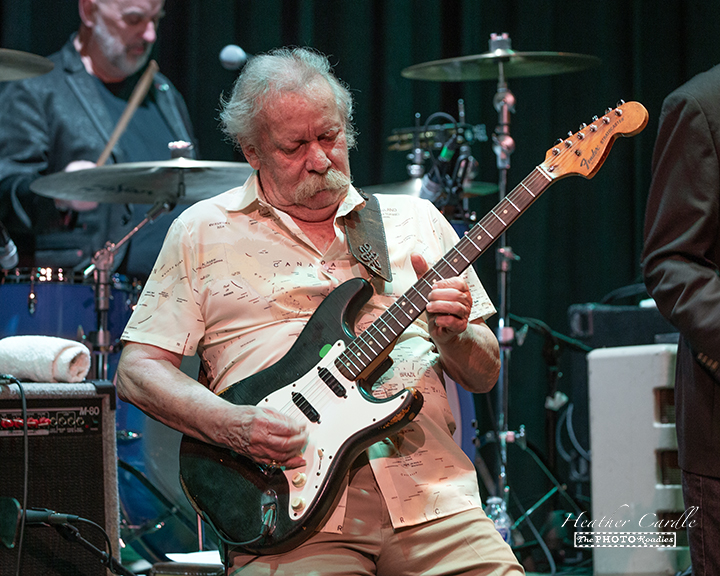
(125, 31)
(302, 154)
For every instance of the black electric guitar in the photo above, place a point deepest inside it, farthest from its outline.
(267, 510)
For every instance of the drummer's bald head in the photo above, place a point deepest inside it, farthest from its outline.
(266, 76)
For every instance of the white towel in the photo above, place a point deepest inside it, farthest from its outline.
(44, 359)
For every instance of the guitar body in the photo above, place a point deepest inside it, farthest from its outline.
(234, 494)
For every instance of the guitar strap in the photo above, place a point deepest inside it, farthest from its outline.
(366, 237)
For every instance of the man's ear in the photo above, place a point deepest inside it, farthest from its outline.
(251, 155)
(87, 10)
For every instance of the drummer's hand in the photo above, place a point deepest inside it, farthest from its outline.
(269, 437)
(77, 205)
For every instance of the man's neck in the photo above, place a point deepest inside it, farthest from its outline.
(321, 234)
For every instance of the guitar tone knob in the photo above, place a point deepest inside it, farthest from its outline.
(299, 479)
(298, 504)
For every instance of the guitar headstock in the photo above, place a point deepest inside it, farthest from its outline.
(585, 151)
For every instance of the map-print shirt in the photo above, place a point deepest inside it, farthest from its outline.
(237, 280)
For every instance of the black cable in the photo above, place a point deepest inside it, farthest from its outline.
(26, 463)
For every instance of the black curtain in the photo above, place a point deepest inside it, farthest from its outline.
(578, 242)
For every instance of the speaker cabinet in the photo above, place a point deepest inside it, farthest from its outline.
(72, 470)
(635, 478)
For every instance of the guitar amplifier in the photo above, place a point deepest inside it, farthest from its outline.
(72, 470)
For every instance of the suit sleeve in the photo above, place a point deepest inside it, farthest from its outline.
(681, 226)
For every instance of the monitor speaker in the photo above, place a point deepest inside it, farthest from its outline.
(72, 469)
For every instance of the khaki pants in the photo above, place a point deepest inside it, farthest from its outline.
(464, 543)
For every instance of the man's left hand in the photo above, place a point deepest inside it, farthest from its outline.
(449, 304)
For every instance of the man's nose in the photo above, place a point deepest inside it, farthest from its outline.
(317, 160)
(150, 32)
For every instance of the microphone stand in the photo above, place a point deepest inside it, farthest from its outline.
(503, 146)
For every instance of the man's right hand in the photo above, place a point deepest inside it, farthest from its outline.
(268, 437)
(77, 205)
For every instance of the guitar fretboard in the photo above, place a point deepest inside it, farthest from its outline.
(373, 341)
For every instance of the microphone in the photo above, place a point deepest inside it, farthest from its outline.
(11, 514)
(8, 250)
(232, 57)
(45, 516)
(433, 183)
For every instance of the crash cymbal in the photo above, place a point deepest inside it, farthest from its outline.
(485, 66)
(181, 180)
(15, 65)
(413, 186)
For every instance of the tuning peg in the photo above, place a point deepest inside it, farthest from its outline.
(620, 103)
(608, 110)
(594, 118)
(558, 141)
(569, 134)
(582, 126)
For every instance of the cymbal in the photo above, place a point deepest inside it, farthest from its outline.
(15, 65)
(413, 186)
(485, 66)
(145, 182)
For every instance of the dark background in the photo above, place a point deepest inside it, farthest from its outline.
(581, 240)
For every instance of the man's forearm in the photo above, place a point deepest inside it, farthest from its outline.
(472, 359)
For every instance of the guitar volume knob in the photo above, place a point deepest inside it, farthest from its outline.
(298, 504)
(299, 480)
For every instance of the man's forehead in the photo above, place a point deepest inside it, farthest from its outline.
(144, 7)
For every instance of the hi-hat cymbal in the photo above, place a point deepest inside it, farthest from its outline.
(485, 66)
(413, 186)
(15, 65)
(179, 180)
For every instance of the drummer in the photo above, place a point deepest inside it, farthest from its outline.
(62, 121)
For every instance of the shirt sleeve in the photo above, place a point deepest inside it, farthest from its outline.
(168, 314)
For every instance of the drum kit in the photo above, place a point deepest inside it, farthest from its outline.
(106, 301)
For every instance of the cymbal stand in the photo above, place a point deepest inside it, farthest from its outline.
(102, 264)
(503, 146)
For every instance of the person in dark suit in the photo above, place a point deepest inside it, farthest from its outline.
(681, 259)
(62, 121)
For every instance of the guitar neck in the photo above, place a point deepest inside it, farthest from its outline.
(374, 340)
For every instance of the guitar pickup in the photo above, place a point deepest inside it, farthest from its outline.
(305, 407)
(332, 382)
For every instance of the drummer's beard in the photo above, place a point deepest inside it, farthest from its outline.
(333, 180)
(116, 52)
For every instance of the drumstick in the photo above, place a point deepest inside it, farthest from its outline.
(138, 93)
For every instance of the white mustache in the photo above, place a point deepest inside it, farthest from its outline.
(333, 179)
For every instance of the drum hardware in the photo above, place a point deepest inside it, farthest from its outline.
(435, 136)
(449, 183)
(501, 63)
(16, 65)
(100, 344)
